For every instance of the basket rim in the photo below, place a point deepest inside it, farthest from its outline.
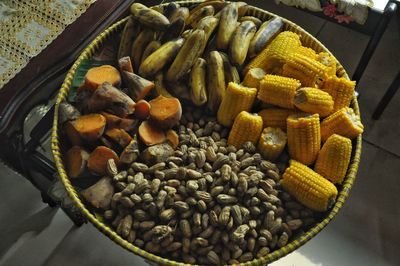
(110, 233)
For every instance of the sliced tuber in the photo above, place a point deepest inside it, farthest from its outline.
(98, 75)
(114, 121)
(173, 138)
(138, 87)
(72, 134)
(90, 127)
(130, 153)
(99, 195)
(82, 99)
(157, 153)
(76, 160)
(150, 135)
(109, 98)
(125, 64)
(97, 163)
(165, 112)
(119, 136)
(67, 112)
(142, 109)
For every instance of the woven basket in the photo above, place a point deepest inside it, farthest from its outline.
(307, 40)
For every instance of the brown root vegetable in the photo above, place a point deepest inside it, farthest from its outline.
(76, 160)
(125, 64)
(130, 153)
(138, 87)
(72, 134)
(99, 195)
(98, 75)
(90, 127)
(173, 138)
(157, 153)
(150, 135)
(82, 99)
(165, 112)
(67, 112)
(119, 136)
(97, 163)
(114, 121)
(109, 98)
(142, 109)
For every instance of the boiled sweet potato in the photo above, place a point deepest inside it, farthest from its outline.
(157, 153)
(109, 98)
(142, 109)
(165, 112)
(76, 161)
(125, 64)
(97, 163)
(173, 138)
(67, 112)
(72, 134)
(138, 87)
(150, 135)
(114, 121)
(119, 136)
(82, 99)
(130, 153)
(99, 195)
(98, 75)
(90, 127)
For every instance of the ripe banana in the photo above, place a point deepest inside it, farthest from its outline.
(255, 20)
(208, 24)
(217, 4)
(138, 46)
(180, 90)
(170, 9)
(240, 42)
(160, 85)
(159, 58)
(180, 12)
(267, 31)
(216, 81)
(174, 30)
(149, 17)
(198, 92)
(227, 25)
(194, 18)
(186, 56)
(150, 48)
(130, 31)
(231, 72)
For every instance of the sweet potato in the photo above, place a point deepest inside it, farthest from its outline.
(157, 153)
(142, 109)
(130, 153)
(67, 112)
(72, 134)
(114, 121)
(150, 135)
(119, 136)
(107, 97)
(138, 87)
(97, 163)
(82, 99)
(125, 64)
(90, 127)
(165, 112)
(173, 138)
(76, 160)
(99, 195)
(98, 75)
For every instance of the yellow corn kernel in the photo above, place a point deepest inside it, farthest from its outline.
(334, 158)
(237, 98)
(308, 187)
(306, 51)
(271, 143)
(304, 137)
(308, 71)
(312, 100)
(329, 61)
(275, 117)
(343, 122)
(277, 52)
(246, 127)
(278, 90)
(341, 90)
(253, 77)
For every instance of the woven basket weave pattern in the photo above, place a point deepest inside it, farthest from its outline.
(307, 40)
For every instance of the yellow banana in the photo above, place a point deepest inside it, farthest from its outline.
(231, 72)
(174, 30)
(149, 17)
(182, 12)
(198, 92)
(255, 20)
(240, 42)
(159, 58)
(227, 25)
(138, 46)
(208, 24)
(150, 48)
(194, 18)
(170, 9)
(160, 85)
(217, 4)
(216, 81)
(130, 31)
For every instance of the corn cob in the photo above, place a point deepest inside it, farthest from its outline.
(329, 61)
(312, 100)
(253, 77)
(333, 158)
(304, 137)
(343, 122)
(308, 187)
(276, 53)
(306, 51)
(278, 90)
(308, 71)
(341, 90)
(272, 142)
(237, 98)
(275, 117)
(246, 127)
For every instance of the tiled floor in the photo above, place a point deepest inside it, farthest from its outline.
(366, 232)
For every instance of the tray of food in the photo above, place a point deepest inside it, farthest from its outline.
(217, 133)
